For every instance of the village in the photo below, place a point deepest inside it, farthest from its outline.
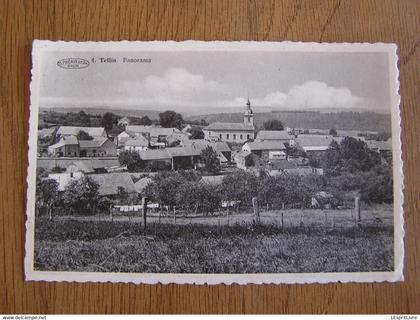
(124, 163)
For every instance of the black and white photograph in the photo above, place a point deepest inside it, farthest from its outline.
(214, 162)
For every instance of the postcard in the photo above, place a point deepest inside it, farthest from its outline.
(214, 162)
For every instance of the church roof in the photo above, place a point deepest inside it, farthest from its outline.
(230, 126)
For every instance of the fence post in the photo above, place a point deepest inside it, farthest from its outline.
(357, 209)
(174, 215)
(110, 212)
(256, 209)
(160, 214)
(282, 221)
(144, 206)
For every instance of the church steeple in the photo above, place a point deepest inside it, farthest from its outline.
(248, 115)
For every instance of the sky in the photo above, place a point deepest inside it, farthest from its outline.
(211, 81)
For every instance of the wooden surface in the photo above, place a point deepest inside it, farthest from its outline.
(331, 21)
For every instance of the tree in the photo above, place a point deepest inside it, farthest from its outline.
(171, 119)
(145, 121)
(333, 132)
(196, 133)
(273, 124)
(350, 155)
(240, 185)
(122, 195)
(210, 159)
(108, 120)
(83, 135)
(82, 195)
(47, 194)
(131, 159)
(165, 187)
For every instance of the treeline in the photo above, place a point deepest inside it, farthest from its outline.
(109, 120)
(341, 120)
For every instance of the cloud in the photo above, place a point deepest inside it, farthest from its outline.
(179, 81)
(320, 95)
(178, 87)
(311, 94)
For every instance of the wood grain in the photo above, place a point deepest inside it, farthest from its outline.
(331, 21)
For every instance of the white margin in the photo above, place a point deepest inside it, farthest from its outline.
(40, 46)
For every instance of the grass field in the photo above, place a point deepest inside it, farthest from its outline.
(123, 246)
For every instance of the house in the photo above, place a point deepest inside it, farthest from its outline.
(80, 166)
(47, 133)
(45, 138)
(142, 184)
(123, 122)
(100, 164)
(65, 131)
(152, 133)
(63, 179)
(68, 146)
(98, 147)
(110, 183)
(223, 150)
(177, 136)
(245, 159)
(187, 128)
(275, 135)
(123, 137)
(267, 150)
(232, 132)
(139, 143)
(184, 157)
(313, 142)
(159, 157)
(213, 180)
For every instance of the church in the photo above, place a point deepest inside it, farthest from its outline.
(232, 131)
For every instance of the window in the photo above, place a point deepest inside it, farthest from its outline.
(249, 119)
(234, 137)
(220, 136)
(241, 136)
(227, 136)
(247, 136)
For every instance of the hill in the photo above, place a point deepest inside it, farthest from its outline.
(311, 119)
(152, 114)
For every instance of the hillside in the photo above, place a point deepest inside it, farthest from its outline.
(101, 110)
(307, 119)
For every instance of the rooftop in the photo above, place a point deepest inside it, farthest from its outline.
(83, 166)
(70, 140)
(92, 131)
(314, 140)
(109, 183)
(183, 151)
(142, 184)
(152, 130)
(138, 141)
(232, 126)
(273, 135)
(95, 143)
(157, 154)
(266, 145)
(201, 144)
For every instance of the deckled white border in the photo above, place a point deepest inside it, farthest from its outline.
(153, 278)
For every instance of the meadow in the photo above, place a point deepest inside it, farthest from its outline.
(123, 246)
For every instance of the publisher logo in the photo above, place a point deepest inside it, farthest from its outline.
(73, 63)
